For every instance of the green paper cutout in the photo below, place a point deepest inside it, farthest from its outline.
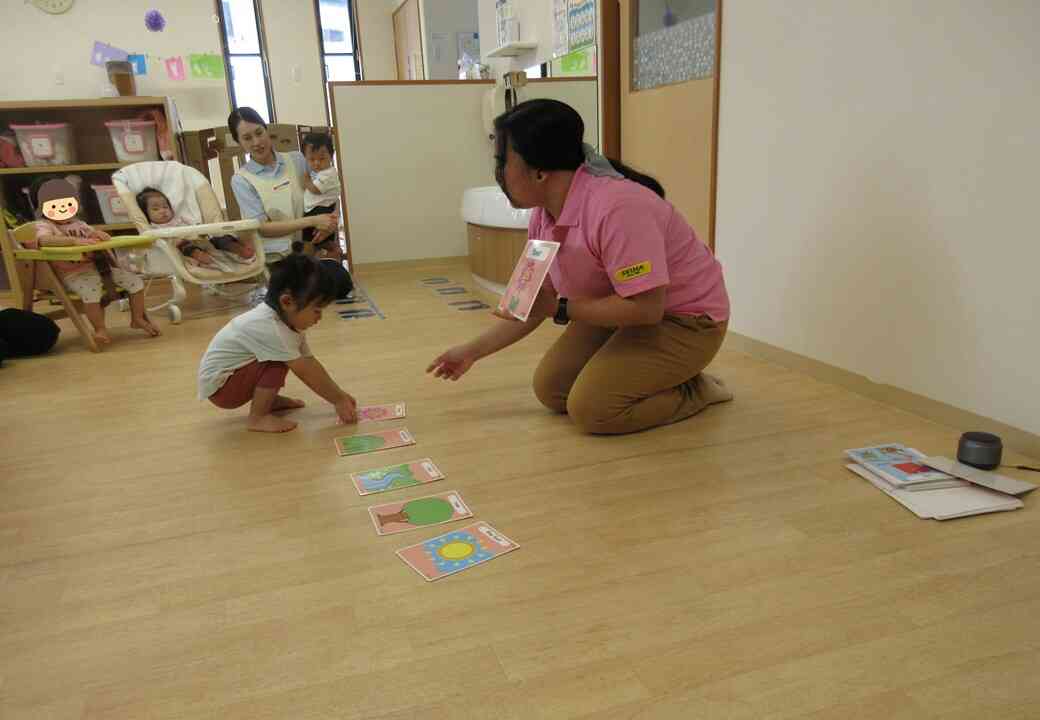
(206, 66)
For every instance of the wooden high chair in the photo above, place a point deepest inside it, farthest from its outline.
(38, 279)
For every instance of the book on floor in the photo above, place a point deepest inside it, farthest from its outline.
(902, 467)
(943, 503)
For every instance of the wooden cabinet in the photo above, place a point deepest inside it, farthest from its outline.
(493, 251)
(95, 161)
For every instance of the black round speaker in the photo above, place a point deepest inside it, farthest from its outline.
(980, 449)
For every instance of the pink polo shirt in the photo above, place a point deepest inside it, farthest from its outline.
(618, 236)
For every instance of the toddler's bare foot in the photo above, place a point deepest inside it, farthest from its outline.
(283, 403)
(101, 337)
(270, 424)
(143, 323)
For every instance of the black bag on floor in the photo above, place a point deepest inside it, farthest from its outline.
(25, 333)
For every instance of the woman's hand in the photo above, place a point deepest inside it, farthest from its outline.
(546, 302)
(327, 223)
(346, 409)
(453, 364)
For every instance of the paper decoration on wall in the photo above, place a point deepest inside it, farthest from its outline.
(175, 68)
(139, 63)
(581, 23)
(154, 21)
(103, 52)
(206, 66)
(561, 44)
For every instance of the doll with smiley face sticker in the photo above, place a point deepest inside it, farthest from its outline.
(58, 203)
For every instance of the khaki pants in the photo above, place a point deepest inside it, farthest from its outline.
(614, 381)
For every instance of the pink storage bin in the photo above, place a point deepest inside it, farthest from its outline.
(45, 144)
(133, 140)
(112, 207)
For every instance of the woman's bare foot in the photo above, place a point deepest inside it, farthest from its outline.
(270, 424)
(283, 403)
(712, 389)
(143, 323)
(101, 337)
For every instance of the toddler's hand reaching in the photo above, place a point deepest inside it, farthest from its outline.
(346, 409)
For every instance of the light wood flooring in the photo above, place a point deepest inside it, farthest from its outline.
(159, 562)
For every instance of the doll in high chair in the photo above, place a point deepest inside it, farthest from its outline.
(58, 204)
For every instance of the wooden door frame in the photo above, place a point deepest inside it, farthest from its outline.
(422, 49)
(610, 77)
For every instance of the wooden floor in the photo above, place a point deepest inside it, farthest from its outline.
(156, 561)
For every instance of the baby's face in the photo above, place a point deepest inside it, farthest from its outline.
(159, 211)
(60, 210)
(318, 159)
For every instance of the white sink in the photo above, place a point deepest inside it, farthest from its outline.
(489, 206)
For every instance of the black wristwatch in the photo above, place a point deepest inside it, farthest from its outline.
(561, 317)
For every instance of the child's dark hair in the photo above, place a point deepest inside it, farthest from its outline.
(243, 113)
(142, 199)
(548, 135)
(302, 277)
(317, 141)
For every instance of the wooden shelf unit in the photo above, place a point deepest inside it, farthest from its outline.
(95, 156)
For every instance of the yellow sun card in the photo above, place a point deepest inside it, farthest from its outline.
(456, 551)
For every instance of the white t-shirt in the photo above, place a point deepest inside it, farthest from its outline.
(255, 335)
(327, 181)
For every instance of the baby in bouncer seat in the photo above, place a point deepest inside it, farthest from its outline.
(156, 207)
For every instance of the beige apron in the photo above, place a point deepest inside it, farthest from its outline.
(282, 197)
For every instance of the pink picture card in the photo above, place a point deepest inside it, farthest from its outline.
(395, 477)
(375, 413)
(372, 442)
(456, 550)
(405, 515)
(527, 279)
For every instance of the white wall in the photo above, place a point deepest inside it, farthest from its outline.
(442, 20)
(877, 192)
(376, 28)
(291, 30)
(38, 46)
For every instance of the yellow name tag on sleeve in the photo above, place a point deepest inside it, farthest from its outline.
(633, 271)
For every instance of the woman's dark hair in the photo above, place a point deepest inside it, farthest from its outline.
(317, 141)
(243, 113)
(302, 277)
(142, 199)
(548, 135)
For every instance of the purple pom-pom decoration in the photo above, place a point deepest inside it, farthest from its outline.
(154, 21)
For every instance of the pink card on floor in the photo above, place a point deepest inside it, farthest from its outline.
(372, 413)
(371, 442)
(405, 515)
(396, 476)
(456, 551)
(527, 278)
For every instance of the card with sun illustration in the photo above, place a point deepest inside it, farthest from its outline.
(405, 515)
(371, 442)
(456, 551)
(396, 477)
(375, 413)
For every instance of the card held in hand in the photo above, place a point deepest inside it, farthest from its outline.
(527, 279)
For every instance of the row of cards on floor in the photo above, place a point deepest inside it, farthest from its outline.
(437, 557)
